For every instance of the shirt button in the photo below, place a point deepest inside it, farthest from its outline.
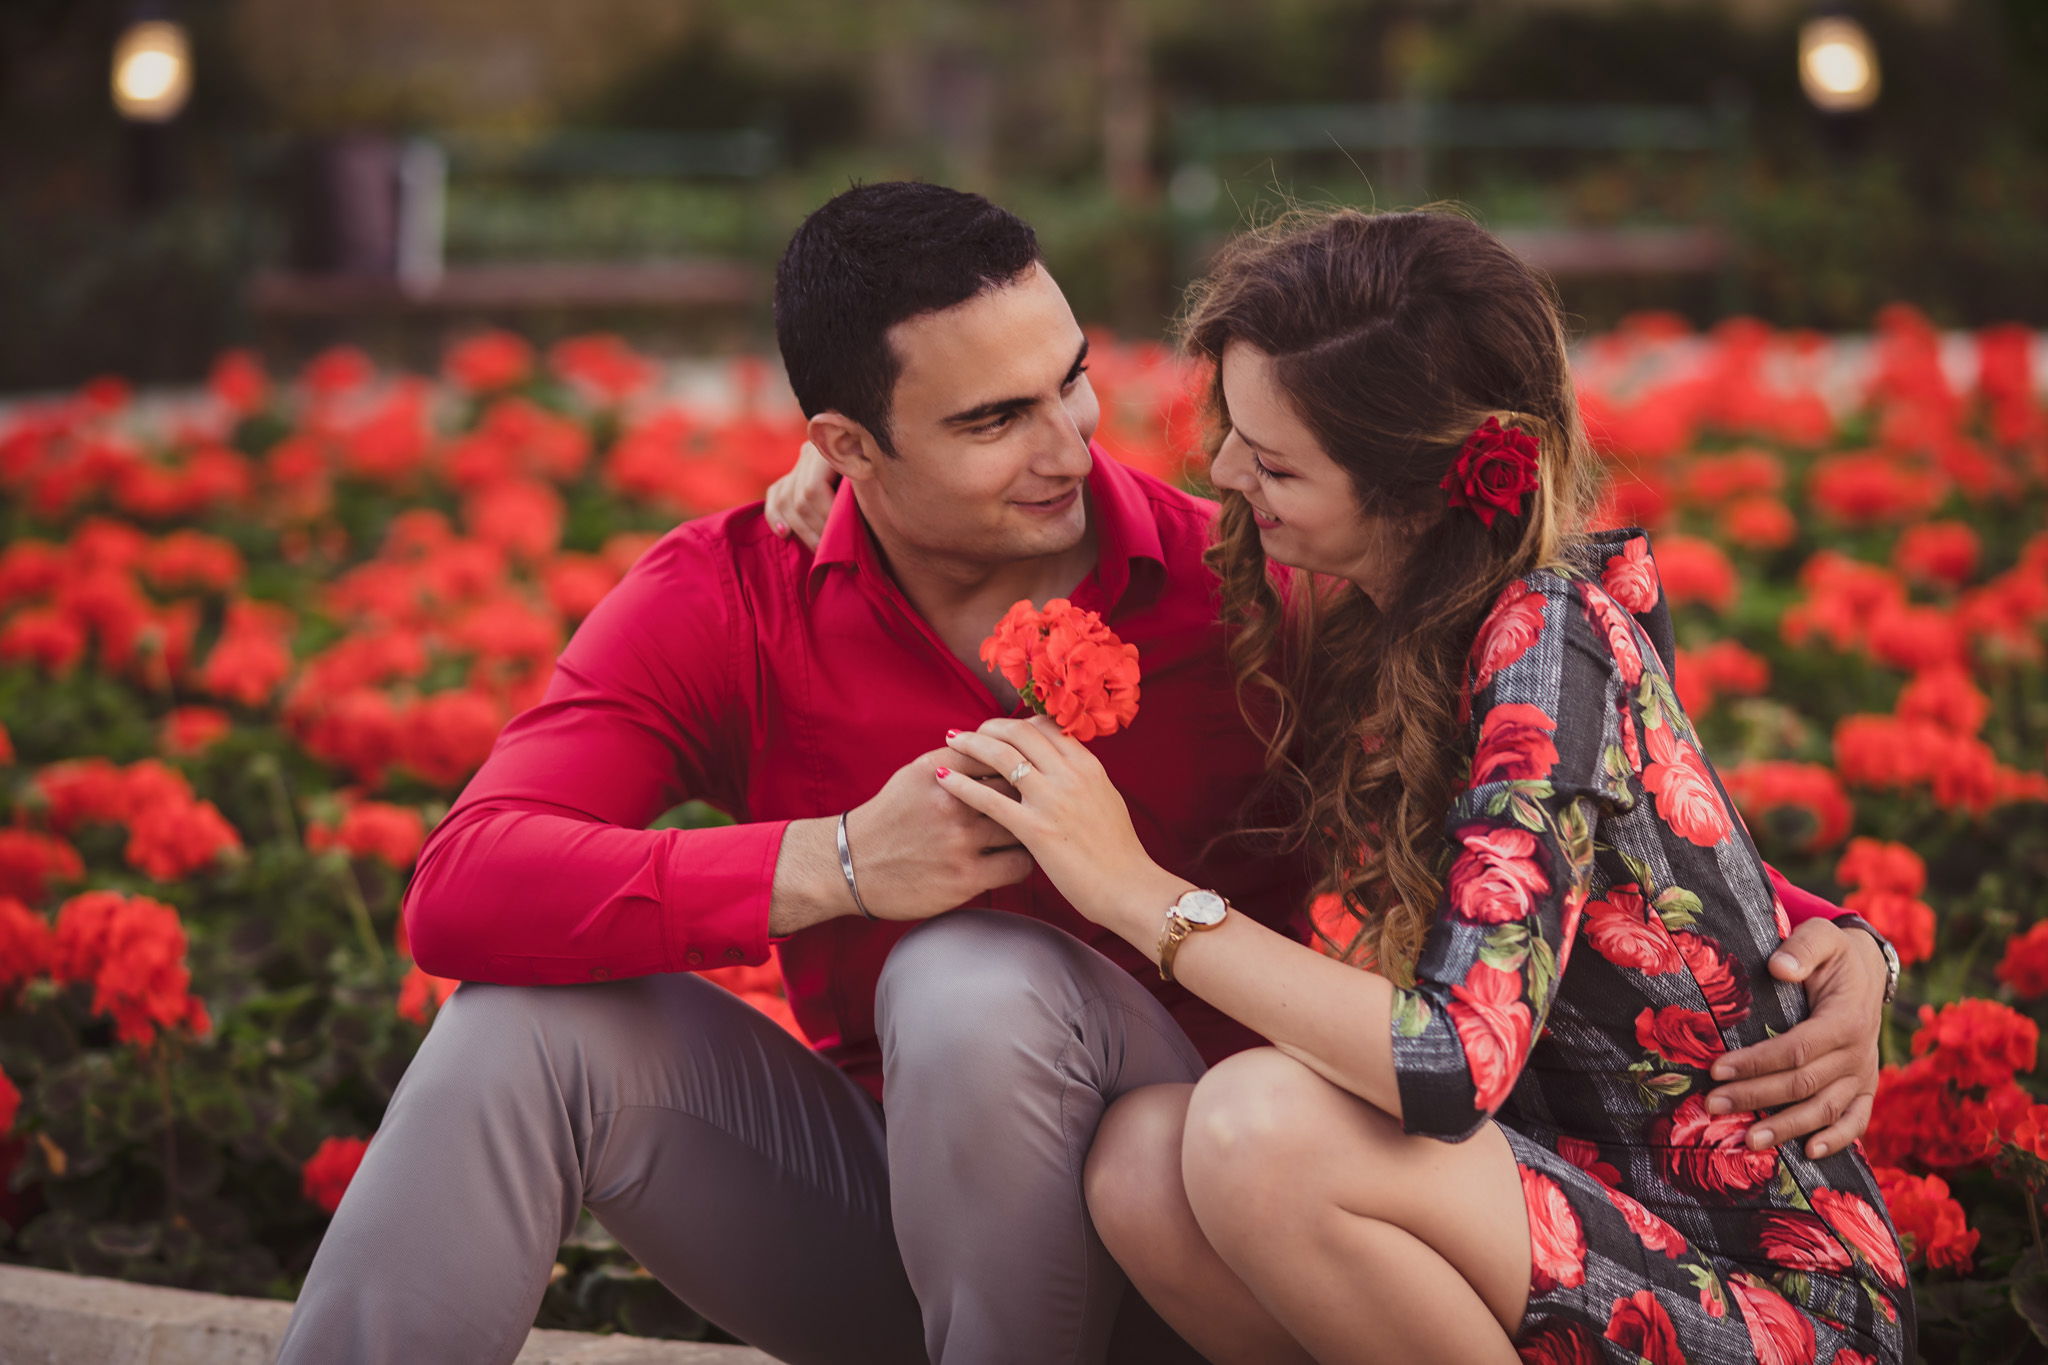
(694, 958)
(734, 955)
(600, 973)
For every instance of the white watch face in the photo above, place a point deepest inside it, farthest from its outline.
(1201, 907)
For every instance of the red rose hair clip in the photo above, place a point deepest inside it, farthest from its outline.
(1493, 472)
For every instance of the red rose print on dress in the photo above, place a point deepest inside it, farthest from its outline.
(1511, 626)
(1778, 1332)
(1801, 1242)
(1625, 934)
(1706, 1152)
(1619, 629)
(1514, 745)
(1863, 1228)
(1631, 576)
(1558, 1341)
(1495, 879)
(1686, 797)
(1630, 750)
(1652, 1231)
(1686, 1037)
(1494, 1026)
(1586, 1156)
(1557, 1241)
(1727, 992)
(1845, 1356)
(1640, 1325)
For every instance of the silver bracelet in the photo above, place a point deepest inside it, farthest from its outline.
(846, 867)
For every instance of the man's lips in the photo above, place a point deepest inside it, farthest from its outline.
(1058, 504)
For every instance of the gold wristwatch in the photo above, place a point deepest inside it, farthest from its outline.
(1194, 911)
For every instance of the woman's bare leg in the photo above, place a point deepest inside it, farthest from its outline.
(1363, 1243)
(1140, 1209)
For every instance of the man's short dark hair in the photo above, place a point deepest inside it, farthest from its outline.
(866, 260)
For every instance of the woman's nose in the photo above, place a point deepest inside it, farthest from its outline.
(1228, 470)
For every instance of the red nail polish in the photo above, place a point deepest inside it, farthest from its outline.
(945, 772)
(951, 733)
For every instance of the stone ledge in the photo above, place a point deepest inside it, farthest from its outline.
(50, 1318)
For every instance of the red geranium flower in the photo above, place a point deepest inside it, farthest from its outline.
(30, 862)
(25, 943)
(422, 992)
(1977, 1042)
(1068, 665)
(326, 1175)
(1930, 1223)
(2025, 965)
(190, 730)
(1494, 471)
(373, 829)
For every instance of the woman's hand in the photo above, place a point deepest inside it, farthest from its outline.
(800, 500)
(1071, 819)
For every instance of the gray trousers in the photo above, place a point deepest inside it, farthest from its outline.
(752, 1177)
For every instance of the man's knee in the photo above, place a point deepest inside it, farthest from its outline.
(981, 987)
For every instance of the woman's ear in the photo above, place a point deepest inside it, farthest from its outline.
(846, 445)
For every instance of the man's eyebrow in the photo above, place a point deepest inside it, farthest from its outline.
(1002, 406)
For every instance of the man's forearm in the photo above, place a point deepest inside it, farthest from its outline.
(809, 887)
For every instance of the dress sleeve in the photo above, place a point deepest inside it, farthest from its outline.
(1551, 745)
(544, 872)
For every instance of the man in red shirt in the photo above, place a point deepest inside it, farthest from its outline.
(946, 382)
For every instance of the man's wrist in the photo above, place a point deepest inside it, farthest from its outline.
(809, 886)
(1887, 958)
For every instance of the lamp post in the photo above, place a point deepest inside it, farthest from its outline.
(151, 80)
(1838, 70)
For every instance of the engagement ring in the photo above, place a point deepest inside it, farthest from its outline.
(1017, 773)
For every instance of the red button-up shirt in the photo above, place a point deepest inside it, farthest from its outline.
(736, 667)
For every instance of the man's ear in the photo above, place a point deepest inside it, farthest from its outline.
(846, 445)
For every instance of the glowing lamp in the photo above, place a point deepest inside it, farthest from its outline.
(1837, 65)
(152, 71)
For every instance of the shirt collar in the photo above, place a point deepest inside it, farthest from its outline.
(1127, 545)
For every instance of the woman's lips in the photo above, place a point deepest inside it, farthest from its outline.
(1053, 505)
(1261, 520)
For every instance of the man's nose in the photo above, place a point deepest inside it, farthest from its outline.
(1068, 456)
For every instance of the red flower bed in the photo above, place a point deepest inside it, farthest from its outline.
(253, 642)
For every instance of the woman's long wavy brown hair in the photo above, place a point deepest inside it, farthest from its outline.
(1393, 336)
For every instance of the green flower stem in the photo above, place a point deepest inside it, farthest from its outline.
(162, 1067)
(266, 767)
(360, 913)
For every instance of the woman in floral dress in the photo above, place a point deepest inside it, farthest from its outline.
(1496, 1141)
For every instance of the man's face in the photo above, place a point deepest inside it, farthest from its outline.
(991, 420)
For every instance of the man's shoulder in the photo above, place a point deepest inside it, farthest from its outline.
(727, 544)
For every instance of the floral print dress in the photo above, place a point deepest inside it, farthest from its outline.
(1604, 935)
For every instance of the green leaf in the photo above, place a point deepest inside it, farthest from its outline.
(2030, 1295)
(1411, 1014)
(1542, 970)
(1528, 814)
(1670, 1084)
(1678, 908)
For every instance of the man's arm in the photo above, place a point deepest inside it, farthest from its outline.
(544, 870)
(1825, 1067)
(545, 873)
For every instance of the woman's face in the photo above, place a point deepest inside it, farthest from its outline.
(1307, 511)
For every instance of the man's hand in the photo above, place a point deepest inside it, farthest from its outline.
(917, 853)
(1824, 1068)
(800, 500)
